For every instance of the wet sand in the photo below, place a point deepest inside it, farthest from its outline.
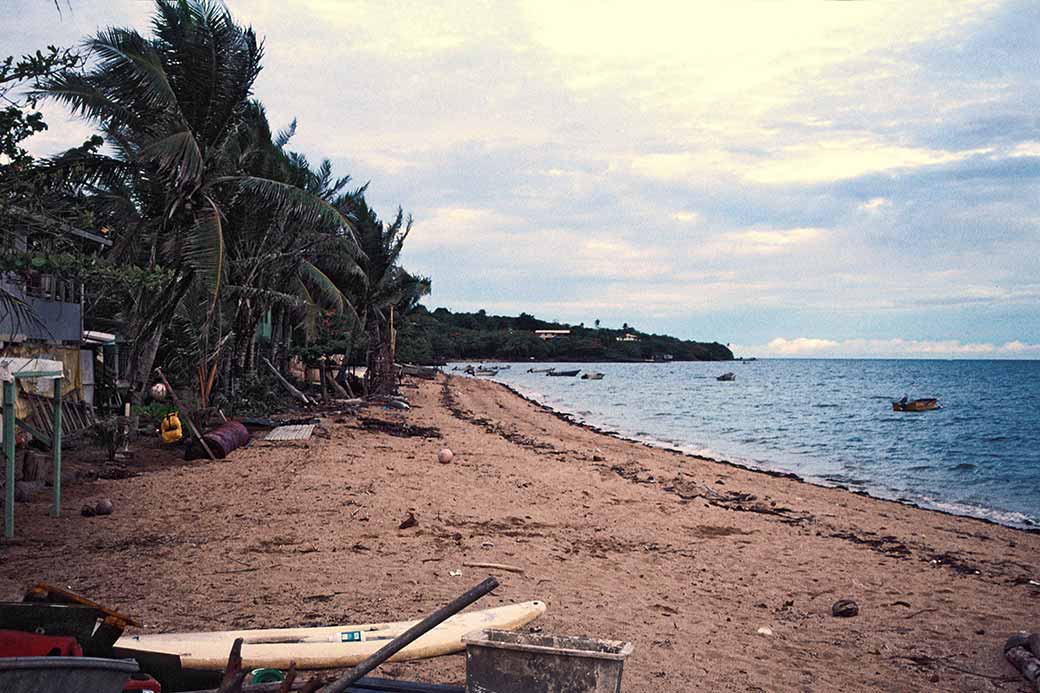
(687, 558)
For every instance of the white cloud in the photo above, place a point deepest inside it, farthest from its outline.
(1030, 148)
(840, 160)
(769, 241)
(875, 204)
(887, 348)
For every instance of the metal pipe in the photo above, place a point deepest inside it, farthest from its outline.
(56, 447)
(9, 434)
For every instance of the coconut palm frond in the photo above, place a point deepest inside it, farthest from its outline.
(285, 135)
(307, 207)
(131, 71)
(84, 98)
(323, 289)
(204, 249)
(177, 156)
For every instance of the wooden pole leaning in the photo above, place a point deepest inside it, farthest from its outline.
(187, 414)
(411, 635)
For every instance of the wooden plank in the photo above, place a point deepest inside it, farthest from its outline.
(296, 432)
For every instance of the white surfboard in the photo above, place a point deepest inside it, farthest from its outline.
(328, 647)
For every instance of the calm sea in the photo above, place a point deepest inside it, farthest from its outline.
(831, 422)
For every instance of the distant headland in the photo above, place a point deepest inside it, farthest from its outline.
(440, 335)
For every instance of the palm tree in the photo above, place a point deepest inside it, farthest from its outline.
(174, 108)
(385, 284)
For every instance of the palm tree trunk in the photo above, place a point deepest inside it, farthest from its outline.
(142, 360)
(380, 374)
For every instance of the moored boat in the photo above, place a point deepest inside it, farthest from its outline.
(726, 377)
(540, 370)
(923, 404)
(592, 375)
(564, 374)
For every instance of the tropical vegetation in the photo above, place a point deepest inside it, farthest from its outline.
(217, 228)
(441, 335)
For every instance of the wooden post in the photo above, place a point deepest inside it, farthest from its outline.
(56, 448)
(9, 395)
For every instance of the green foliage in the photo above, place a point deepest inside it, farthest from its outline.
(18, 119)
(258, 394)
(154, 411)
(441, 336)
(88, 268)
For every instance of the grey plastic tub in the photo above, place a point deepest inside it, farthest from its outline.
(499, 661)
(64, 674)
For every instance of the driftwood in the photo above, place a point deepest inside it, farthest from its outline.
(494, 566)
(187, 414)
(234, 675)
(337, 389)
(411, 635)
(290, 388)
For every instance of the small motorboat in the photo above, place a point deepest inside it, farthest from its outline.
(564, 374)
(486, 371)
(726, 377)
(540, 370)
(592, 375)
(924, 404)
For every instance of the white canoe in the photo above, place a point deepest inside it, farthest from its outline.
(329, 647)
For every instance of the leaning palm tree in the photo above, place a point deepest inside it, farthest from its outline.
(171, 106)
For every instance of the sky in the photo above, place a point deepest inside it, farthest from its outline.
(793, 179)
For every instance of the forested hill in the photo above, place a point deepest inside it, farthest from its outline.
(439, 336)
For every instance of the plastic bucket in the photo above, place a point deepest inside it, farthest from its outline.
(499, 661)
(64, 674)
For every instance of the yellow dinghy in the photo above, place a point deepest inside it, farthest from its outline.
(330, 647)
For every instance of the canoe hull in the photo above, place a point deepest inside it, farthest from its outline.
(326, 647)
(916, 405)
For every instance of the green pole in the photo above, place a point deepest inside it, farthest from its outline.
(56, 511)
(9, 454)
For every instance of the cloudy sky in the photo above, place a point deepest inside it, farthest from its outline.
(792, 178)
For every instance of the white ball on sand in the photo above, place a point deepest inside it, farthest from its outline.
(445, 456)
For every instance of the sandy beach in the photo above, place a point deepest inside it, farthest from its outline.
(689, 559)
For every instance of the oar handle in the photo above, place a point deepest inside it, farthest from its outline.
(411, 635)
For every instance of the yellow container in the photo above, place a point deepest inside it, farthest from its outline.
(170, 428)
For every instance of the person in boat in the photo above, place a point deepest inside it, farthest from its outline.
(906, 398)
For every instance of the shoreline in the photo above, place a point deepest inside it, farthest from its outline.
(722, 577)
(1024, 526)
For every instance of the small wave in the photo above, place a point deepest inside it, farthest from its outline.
(963, 467)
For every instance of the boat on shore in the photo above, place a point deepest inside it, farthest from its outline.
(726, 377)
(564, 374)
(592, 375)
(427, 372)
(923, 404)
(330, 647)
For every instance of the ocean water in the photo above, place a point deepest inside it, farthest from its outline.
(831, 422)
